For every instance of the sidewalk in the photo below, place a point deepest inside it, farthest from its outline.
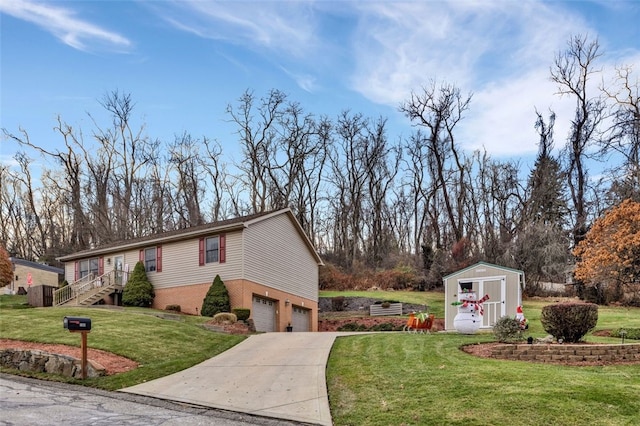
(280, 375)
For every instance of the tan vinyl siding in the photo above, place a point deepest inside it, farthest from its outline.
(180, 265)
(276, 256)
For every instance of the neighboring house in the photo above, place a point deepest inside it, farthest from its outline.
(28, 274)
(265, 260)
(503, 285)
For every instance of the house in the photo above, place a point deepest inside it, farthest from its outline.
(265, 260)
(28, 274)
(503, 285)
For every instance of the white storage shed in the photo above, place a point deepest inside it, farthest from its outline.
(503, 285)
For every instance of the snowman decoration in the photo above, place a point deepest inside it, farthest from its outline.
(470, 311)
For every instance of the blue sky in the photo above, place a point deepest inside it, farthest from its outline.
(184, 61)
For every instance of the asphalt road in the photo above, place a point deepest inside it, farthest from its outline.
(25, 401)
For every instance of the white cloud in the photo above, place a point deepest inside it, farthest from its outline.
(283, 27)
(63, 23)
(502, 115)
(500, 51)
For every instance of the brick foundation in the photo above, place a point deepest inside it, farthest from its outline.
(241, 295)
(568, 352)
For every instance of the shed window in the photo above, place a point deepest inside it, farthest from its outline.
(468, 286)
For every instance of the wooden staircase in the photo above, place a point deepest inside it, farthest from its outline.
(89, 290)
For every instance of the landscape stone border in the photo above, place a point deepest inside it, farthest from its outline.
(44, 362)
(568, 352)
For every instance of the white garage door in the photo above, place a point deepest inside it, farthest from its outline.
(301, 319)
(264, 314)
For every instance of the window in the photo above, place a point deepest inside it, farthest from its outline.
(150, 259)
(212, 249)
(88, 267)
(466, 286)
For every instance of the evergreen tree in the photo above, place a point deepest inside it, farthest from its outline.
(138, 291)
(217, 299)
(547, 202)
(541, 248)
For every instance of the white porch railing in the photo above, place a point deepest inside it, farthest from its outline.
(86, 285)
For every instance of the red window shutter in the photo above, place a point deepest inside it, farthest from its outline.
(223, 248)
(201, 252)
(76, 272)
(159, 258)
(100, 265)
(141, 258)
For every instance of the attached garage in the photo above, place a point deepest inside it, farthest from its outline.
(264, 314)
(301, 319)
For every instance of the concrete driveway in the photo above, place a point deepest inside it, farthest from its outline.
(280, 375)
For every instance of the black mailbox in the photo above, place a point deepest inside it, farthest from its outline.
(77, 323)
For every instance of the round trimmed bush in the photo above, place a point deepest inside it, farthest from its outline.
(243, 314)
(569, 321)
(223, 317)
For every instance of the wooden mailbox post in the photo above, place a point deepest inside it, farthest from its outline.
(82, 326)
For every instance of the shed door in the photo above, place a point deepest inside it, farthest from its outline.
(301, 319)
(495, 307)
(264, 314)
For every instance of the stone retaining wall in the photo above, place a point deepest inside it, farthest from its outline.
(45, 362)
(568, 352)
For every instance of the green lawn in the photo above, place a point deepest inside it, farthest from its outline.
(413, 379)
(161, 346)
(374, 379)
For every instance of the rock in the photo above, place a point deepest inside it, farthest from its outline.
(44, 362)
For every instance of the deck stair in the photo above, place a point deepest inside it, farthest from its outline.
(89, 290)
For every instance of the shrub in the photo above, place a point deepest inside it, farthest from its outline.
(569, 321)
(175, 308)
(385, 326)
(216, 300)
(507, 329)
(223, 317)
(242, 314)
(337, 303)
(632, 333)
(138, 291)
(352, 326)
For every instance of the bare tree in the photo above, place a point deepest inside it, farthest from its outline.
(623, 137)
(72, 184)
(439, 110)
(132, 153)
(348, 176)
(257, 139)
(184, 157)
(572, 71)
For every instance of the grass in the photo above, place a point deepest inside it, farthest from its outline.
(375, 379)
(161, 346)
(409, 379)
(8, 301)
